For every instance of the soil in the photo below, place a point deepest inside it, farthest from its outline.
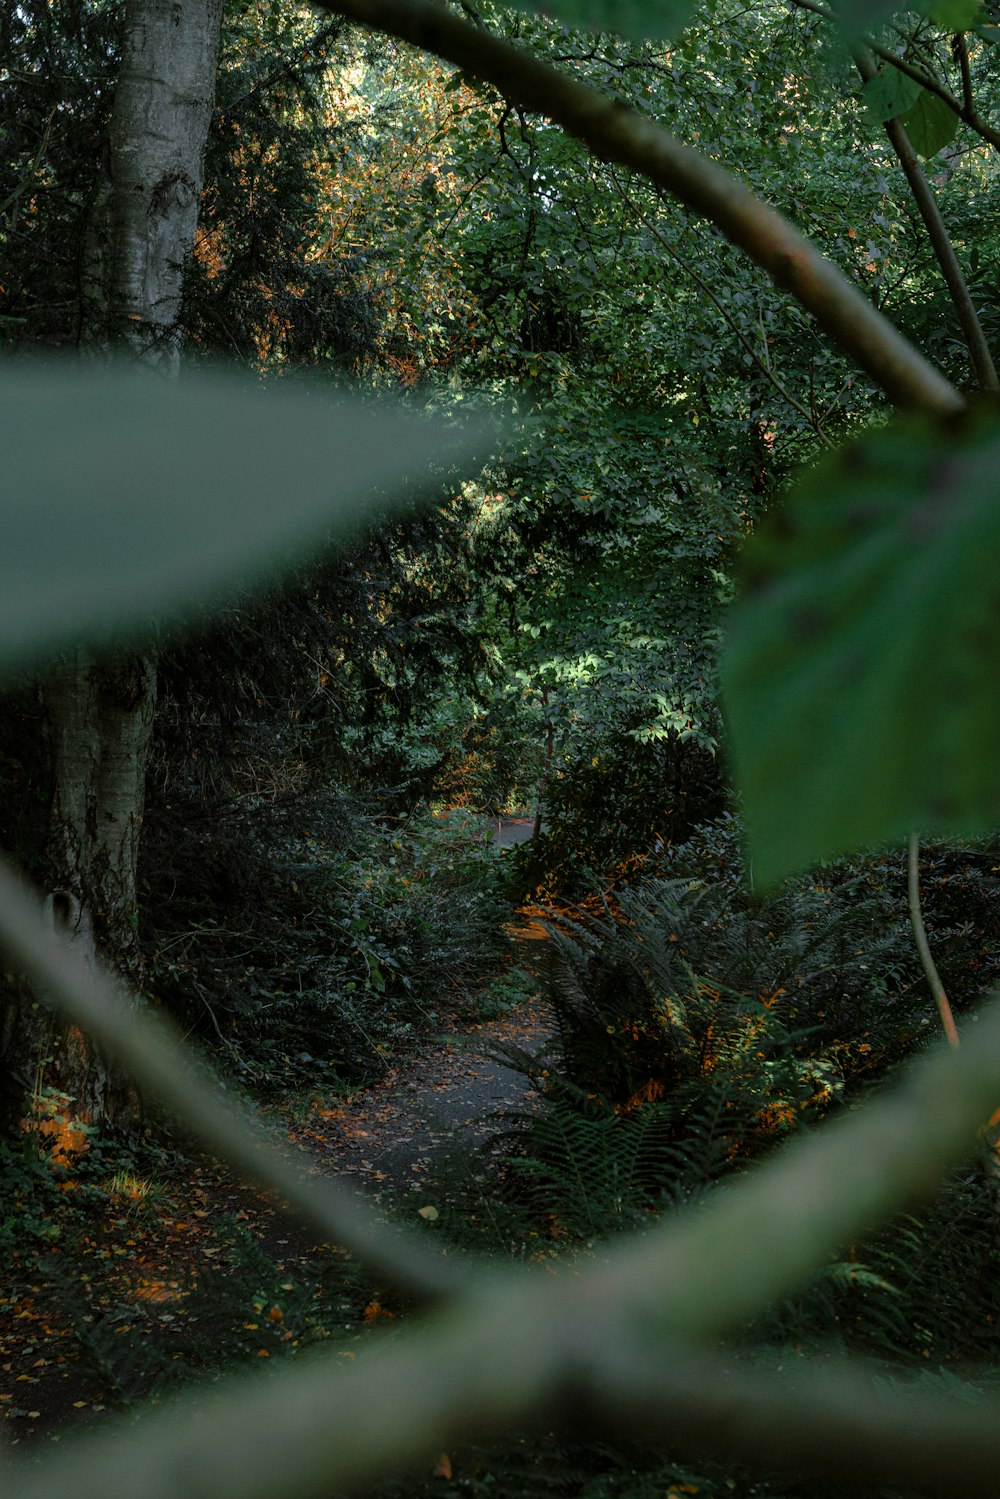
(453, 1093)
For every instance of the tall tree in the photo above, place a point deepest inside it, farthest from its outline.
(96, 717)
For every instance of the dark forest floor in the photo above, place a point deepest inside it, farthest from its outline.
(131, 1273)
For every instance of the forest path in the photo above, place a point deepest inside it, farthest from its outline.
(80, 1323)
(445, 1099)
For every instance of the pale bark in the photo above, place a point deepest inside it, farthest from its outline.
(148, 208)
(100, 714)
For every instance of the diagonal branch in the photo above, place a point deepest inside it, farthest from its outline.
(617, 133)
(154, 1054)
(937, 233)
(810, 416)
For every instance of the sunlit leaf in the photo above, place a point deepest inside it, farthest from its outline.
(930, 124)
(125, 499)
(860, 674)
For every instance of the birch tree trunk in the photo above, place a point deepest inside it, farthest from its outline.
(147, 207)
(99, 713)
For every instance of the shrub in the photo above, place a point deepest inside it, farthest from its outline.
(314, 946)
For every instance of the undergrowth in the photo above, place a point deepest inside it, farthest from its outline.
(311, 943)
(696, 1027)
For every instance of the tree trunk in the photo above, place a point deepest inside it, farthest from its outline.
(143, 228)
(99, 714)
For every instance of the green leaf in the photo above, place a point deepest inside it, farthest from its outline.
(856, 17)
(955, 15)
(930, 124)
(861, 669)
(888, 94)
(657, 20)
(859, 17)
(126, 499)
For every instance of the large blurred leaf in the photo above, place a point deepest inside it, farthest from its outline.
(955, 15)
(123, 498)
(655, 19)
(862, 670)
(888, 94)
(857, 17)
(930, 124)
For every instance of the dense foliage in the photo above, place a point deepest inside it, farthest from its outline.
(319, 893)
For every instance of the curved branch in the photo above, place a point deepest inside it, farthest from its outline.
(617, 133)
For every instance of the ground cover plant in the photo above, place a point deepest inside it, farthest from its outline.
(856, 674)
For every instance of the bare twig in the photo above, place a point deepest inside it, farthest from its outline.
(22, 187)
(763, 365)
(965, 110)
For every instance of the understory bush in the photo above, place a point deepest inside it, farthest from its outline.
(316, 940)
(604, 810)
(697, 1025)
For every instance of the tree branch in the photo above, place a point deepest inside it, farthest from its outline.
(920, 938)
(965, 110)
(962, 53)
(810, 416)
(154, 1054)
(937, 233)
(616, 133)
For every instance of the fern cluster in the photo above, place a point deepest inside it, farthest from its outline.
(696, 1025)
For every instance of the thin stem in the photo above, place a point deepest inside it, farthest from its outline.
(937, 233)
(22, 187)
(617, 133)
(703, 286)
(920, 938)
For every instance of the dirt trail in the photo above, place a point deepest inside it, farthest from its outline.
(136, 1270)
(387, 1136)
